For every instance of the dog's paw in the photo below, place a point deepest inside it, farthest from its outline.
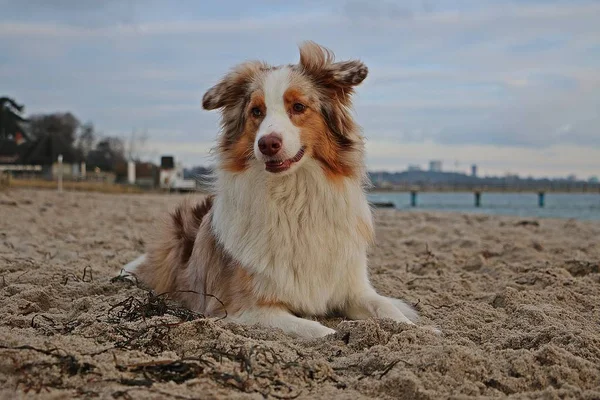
(314, 330)
(408, 311)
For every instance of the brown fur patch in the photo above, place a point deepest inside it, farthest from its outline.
(234, 285)
(233, 86)
(342, 155)
(236, 157)
(171, 248)
(318, 62)
(232, 95)
(320, 141)
(185, 226)
(241, 151)
(187, 262)
(266, 303)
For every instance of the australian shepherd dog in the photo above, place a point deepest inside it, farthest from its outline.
(284, 235)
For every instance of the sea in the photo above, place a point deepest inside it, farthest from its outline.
(582, 206)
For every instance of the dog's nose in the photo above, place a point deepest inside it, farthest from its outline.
(270, 144)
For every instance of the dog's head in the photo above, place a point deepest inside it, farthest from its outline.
(275, 118)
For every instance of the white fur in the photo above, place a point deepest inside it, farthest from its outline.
(296, 232)
(276, 118)
(298, 237)
(131, 267)
(278, 318)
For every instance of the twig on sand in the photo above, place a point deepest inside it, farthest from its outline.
(87, 272)
(391, 365)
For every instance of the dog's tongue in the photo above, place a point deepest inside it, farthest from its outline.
(277, 166)
(278, 163)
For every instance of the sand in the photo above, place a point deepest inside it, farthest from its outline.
(517, 302)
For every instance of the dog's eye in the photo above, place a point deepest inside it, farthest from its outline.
(256, 112)
(299, 107)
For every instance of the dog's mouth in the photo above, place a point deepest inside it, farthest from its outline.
(276, 166)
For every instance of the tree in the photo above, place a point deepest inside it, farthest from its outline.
(113, 145)
(135, 145)
(60, 125)
(108, 153)
(86, 139)
(11, 121)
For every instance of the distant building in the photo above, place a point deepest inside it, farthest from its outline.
(510, 177)
(172, 176)
(414, 167)
(39, 156)
(572, 178)
(474, 170)
(9, 151)
(435, 166)
(593, 179)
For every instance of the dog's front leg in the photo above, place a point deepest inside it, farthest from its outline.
(369, 304)
(280, 317)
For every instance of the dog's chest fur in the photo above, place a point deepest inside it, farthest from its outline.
(302, 237)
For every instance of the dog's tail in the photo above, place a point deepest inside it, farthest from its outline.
(171, 246)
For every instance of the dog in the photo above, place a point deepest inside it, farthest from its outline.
(284, 235)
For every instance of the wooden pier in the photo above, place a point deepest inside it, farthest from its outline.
(479, 191)
(558, 187)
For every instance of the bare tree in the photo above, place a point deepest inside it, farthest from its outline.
(136, 145)
(109, 152)
(86, 139)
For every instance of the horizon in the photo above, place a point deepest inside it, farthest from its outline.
(593, 178)
(509, 86)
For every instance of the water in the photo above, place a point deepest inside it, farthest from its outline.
(584, 206)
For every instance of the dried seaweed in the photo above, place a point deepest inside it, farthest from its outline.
(50, 327)
(134, 309)
(152, 339)
(253, 370)
(149, 337)
(177, 371)
(41, 375)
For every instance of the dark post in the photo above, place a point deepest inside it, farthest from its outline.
(413, 198)
(477, 199)
(541, 196)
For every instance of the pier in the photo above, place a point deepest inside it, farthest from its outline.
(553, 187)
(479, 192)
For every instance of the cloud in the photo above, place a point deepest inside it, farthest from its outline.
(470, 73)
(74, 12)
(491, 160)
(361, 10)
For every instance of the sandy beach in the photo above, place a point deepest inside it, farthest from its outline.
(517, 302)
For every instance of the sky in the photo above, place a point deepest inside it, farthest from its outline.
(510, 85)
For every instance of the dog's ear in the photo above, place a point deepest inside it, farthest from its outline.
(336, 81)
(318, 62)
(232, 87)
